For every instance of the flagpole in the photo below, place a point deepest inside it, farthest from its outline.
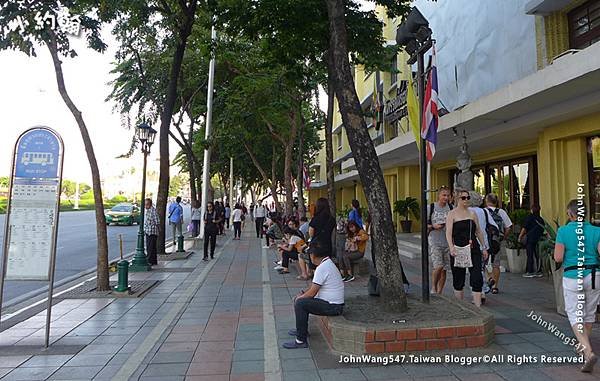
(423, 165)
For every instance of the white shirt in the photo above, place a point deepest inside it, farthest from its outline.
(259, 211)
(237, 215)
(505, 218)
(481, 217)
(328, 277)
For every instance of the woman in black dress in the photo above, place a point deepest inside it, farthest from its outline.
(464, 234)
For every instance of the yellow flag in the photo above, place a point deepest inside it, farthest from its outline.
(413, 108)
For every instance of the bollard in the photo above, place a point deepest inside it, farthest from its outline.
(180, 244)
(123, 284)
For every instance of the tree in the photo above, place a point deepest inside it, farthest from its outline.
(170, 23)
(68, 188)
(22, 32)
(340, 30)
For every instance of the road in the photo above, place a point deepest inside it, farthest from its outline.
(76, 248)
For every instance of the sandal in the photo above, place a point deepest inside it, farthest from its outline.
(283, 272)
(495, 290)
(491, 282)
(300, 277)
(588, 366)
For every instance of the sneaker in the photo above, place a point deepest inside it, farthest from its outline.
(295, 344)
(349, 278)
(277, 262)
(266, 247)
(539, 274)
(529, 275)
(278, 267)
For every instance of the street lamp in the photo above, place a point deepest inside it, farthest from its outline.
(415, 35)
(145, 134)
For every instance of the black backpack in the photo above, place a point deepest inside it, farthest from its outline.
(498, 220)
(493, 234)
(431, 208)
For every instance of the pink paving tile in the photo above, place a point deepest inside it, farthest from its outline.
(205, 368)
(570, 373)
(218, 336)
(216, 345)
(189, 329)
(202, 355)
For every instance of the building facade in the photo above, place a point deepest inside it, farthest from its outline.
(520, 83)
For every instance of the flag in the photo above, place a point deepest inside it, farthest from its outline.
(430, 111)
(376, 107)
(306, 177)
(413, 108)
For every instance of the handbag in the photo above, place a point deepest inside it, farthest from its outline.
(350, 245)
(463, 254)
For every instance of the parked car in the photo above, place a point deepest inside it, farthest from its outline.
(124, 213)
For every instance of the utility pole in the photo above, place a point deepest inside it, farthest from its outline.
(209, 107)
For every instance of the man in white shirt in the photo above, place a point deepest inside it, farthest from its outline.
(325, 297)
(260, 213)
(504, 225)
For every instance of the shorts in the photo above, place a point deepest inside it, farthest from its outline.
(440, 257)
(585, 311)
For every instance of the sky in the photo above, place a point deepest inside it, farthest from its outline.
(30, 97)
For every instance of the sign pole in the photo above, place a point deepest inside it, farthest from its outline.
(31, 232)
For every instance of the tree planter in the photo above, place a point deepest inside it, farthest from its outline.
(406, 226)
(557, 278)
(517, 260)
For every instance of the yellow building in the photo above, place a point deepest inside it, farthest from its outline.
(532, 139)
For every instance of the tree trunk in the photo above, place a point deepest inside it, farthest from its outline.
(274, 181)
(389, 267)
(329, 138)
(165, 121)
(300, 175)
(102, 283)
(192, 172)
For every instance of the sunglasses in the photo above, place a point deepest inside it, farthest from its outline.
(465, 198)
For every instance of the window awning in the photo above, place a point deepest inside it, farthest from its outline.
(545, 7)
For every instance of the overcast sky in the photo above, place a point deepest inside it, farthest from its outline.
(30, 97)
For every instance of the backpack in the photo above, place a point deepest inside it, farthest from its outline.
(431, 209)
(493, 235)
(498, 220)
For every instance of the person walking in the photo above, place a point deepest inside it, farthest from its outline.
(531, 232)
(355, 214)
(151, 226)
(227, 215)
(463, 234)
(220, 211)
(577, 248)
(439, 252)
(260, 212)
(211, 229)
(176, 219)
(504, 225)
(237, 215)
(196, 218)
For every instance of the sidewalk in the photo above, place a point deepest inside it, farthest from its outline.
(226, 320)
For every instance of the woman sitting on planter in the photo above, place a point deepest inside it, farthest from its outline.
(356, 244)
(463, 234)
(580, 283)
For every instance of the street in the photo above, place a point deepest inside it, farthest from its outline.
(76, 248)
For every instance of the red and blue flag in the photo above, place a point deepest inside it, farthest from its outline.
(430, 111)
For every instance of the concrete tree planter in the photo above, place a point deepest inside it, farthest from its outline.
(517, 260)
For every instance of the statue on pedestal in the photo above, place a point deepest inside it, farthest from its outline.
(463, 180)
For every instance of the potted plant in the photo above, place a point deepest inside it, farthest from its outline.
(404, 208)
(517, 259)
(545, 249)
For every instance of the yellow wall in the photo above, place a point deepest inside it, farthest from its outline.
(562, 163)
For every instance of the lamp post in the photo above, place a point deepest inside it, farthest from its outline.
(415, 35)
(145, 135)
